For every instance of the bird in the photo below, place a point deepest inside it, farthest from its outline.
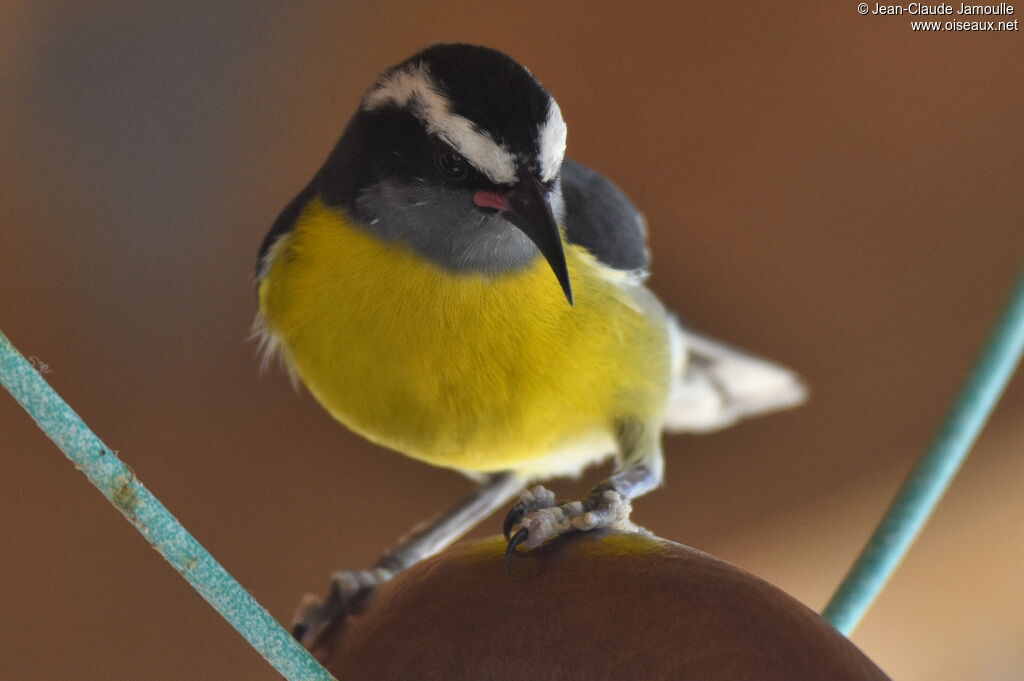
(452, 287)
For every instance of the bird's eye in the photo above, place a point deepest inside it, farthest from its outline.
(451, 165)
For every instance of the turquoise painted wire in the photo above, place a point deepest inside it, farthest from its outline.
(933, 473)
(118, 483)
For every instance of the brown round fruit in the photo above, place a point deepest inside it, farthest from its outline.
(588, 606)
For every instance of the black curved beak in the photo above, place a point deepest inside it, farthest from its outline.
(529, 210)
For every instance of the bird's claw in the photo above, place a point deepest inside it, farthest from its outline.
(512, 518)
(349, 590)
(521, 535)
(540, 518)
(529, 501)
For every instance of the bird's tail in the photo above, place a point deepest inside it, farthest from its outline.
(714, 385)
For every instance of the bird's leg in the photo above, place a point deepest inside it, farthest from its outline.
(539, 517)
(349, 588)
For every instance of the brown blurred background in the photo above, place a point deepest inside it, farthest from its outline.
(831, 190)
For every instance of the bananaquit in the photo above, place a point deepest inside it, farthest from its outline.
(451, 287)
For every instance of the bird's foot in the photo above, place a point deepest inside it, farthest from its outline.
(348, 592)
(539, 517)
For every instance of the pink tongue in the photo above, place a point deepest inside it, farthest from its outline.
(489, 199)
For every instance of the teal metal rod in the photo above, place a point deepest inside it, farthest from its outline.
(932, 475)
(119, 485)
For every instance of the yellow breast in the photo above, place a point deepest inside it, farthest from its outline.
(469, 371)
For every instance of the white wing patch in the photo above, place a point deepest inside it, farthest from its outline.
(414, 87)
(714, 385)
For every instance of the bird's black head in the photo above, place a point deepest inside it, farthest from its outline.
(455, 152)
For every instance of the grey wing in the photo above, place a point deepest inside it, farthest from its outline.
(715, 385)
(600, 218)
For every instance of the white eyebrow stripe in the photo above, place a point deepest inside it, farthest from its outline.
(413, 87)
(552, 143)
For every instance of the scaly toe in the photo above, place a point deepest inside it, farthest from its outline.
(349, 589)
(605, 508)
(529, 501)
(602, 508)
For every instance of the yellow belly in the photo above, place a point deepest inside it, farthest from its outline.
(480, 373)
